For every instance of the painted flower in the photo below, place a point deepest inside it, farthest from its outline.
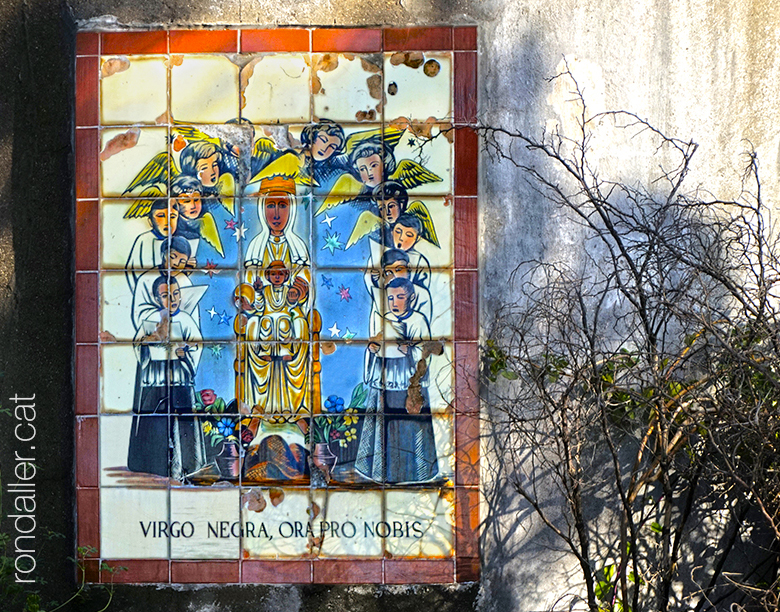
(208, 397)
(350, 434)
(207, 427)
(350, 418)
(335, 434)
(334, 404)
(225, 426)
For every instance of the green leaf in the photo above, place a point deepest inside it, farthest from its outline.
(609, 572)
(603, 590)
(656, 527)
(509, 374)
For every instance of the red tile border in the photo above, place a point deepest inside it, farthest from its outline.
(91, 571)
(86, 243)
(86, 307)
(87, 43)
(467, 522)
(204, 572)
(467, 569)
(87, 451)
(203, 41)
(332, 571)
(281, 39)
(136, 571)
(467, 378)
(465, 85)
(466, 305)
(419, 571)
(276, 572)
(466, 449)
(87, 90)
(352, 39)
(86, 163)
(115, 43)
(88, 519)
(464, 38)
(87, 370)
(466, 233)
(466, 161)
(417, 39)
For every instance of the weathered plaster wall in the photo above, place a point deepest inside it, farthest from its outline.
(699, 69)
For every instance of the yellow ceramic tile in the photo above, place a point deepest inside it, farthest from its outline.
(420, 523)
(204, 89)
(276, 89)
(347, 87)
(134, 161)
(133, 523)
(133, 90)
(418, 85)
(213, 520)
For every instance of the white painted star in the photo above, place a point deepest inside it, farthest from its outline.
(212, 312)
(328, 219)
(334, 331)
(239, 232)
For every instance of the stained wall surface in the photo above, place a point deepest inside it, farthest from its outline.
(704, 71)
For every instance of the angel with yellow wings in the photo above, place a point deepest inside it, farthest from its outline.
(371, 161)
(209, 168)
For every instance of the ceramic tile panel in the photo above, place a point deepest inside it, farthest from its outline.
(134, 523)
(422, 523)
(346, 86)
(418, 85)
(134, 162)
(275, 88)
(277, 522)
(274, 278)
(205, 524)
(133, 89)
(204, 88)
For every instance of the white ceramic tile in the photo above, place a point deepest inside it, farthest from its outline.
(420, 523)
(125, 153)
(133, 89)
(276, 89)
(114, 437)
(418, 85)
(347, 87)
(117, 234)
(212, 516)
(347, 523)
(430, 148)
(204, 89)
(133, 523)
(117, 380)
(276, 525)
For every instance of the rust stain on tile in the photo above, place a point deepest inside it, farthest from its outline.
(120, 142)
(114, 65)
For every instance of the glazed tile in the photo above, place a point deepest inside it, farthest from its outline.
(134, 162)
(418, 85)
(347, 522)
(276, 522)
(421, 523)
(347, 87)
(213, 520)
(204, 88)
(133, 523)
(133, 89)
(117, 389)
(276, 89)
(349, 303)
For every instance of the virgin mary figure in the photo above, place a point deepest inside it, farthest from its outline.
(276, 378)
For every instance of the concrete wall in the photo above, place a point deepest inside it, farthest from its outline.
(698, 69)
